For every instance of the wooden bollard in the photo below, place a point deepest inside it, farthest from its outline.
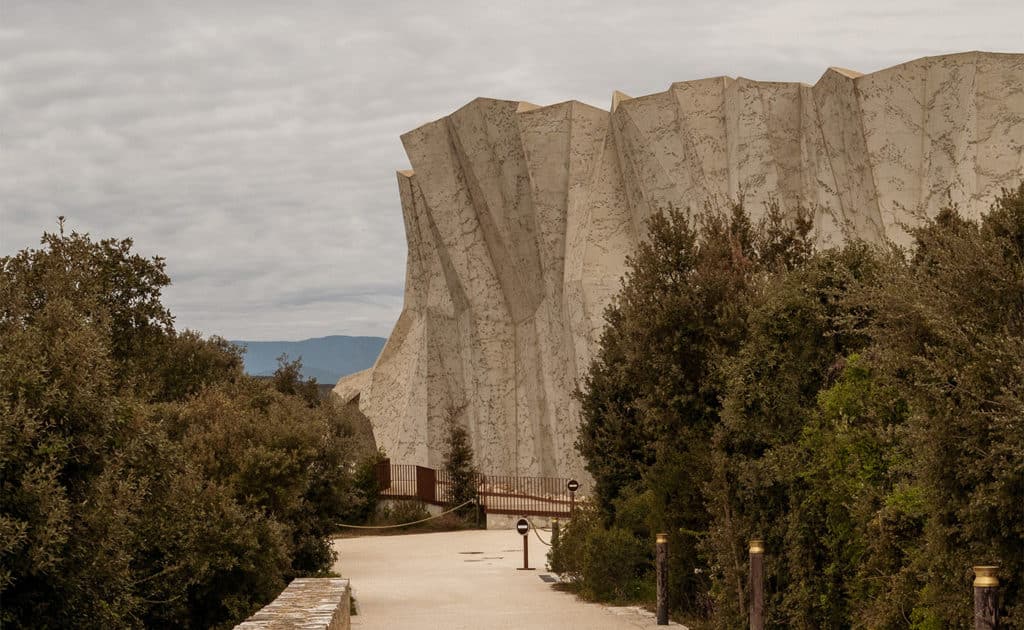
(986, 585)
(661, 567)
(554, 532)
(757, 584)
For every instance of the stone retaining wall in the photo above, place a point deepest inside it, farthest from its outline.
(307, 603)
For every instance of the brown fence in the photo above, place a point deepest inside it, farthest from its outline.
(499, 494)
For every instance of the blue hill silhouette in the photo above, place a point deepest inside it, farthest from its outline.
(324, 358)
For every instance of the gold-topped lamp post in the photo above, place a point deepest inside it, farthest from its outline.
(756, 584)
(986, 585)
(661, 567)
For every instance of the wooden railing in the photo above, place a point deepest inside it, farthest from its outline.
(499, 494)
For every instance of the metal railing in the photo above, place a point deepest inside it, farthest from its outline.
(532, 496)
(499, 494)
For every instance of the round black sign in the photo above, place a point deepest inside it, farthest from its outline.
(573, 485)
(522, 526)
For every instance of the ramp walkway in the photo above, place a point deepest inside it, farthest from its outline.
(465, 581)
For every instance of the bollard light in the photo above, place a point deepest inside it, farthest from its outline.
(986, 576)
(661, 577)
(756, 584)
(986, 591)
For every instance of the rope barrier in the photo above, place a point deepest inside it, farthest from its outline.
(422, 520)
(536, 532)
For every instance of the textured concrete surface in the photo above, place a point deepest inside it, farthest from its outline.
(306, 604)
(464, 581)
(519, 219)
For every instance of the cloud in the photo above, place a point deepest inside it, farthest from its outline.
(254, 144)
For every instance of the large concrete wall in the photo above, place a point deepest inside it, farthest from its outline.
(519, 219)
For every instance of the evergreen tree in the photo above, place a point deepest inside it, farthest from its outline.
(859, 409)
(458, 464)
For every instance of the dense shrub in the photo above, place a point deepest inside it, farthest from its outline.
(399, 512)
(859, 409)
(653, 395)
(610, 564)
(145, 480)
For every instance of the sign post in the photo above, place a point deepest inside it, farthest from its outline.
(523, 527)
(572, 486)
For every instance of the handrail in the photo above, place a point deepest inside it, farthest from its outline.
(506, 494)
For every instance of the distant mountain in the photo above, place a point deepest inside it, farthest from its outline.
(325, 358)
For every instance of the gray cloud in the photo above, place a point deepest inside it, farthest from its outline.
(254, 144)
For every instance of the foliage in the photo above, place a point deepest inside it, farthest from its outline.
(458, 464)
(146, 481)
(287, 379)
(399, 512)
(858, 408)
(404, 511)
(365, 486)
(652, 395)
(609, 564)
(795, 343)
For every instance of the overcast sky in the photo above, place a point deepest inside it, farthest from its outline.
(254, 144)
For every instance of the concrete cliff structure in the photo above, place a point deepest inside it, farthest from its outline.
(519, 219)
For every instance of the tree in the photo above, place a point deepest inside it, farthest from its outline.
(859, 409)
(652, 396)
(147, 481)
(770, 438)
(949, 333)
(458, 464)
(287, 379)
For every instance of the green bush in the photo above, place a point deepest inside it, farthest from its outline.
(617, 567)
(365, 487)
(566, 557)
(603, 564)
(147, 481)
(398, 512)
(858, 408)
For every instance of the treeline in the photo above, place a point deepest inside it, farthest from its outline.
(146, 481)
(860, 409)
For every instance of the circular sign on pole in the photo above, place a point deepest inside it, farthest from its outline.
(573, 485)
(522, 526)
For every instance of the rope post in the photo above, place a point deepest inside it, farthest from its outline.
(756, 584)
(661, 566)
(554, 531)
(986, 585)
(526, 552)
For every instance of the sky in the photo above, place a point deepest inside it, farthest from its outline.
(254, 144)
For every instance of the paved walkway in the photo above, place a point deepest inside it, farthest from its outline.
(465, 581)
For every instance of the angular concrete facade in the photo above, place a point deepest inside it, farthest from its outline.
(519, 219)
